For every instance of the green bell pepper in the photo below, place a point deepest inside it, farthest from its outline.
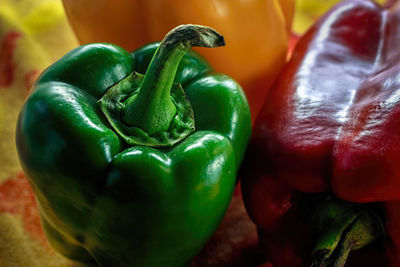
(133, 156)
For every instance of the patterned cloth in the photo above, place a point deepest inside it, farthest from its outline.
(33, 33)
(22, 241)
(307, 11)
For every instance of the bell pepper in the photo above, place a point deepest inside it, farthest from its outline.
(257, 31)
(321, 179)
(27, 41)
(133, 157)
(310, 10)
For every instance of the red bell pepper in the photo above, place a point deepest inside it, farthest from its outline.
(322, 176)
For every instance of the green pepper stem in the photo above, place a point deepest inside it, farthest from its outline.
(152, 108)
(343, 228)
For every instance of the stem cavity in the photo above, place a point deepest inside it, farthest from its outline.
(152, 109)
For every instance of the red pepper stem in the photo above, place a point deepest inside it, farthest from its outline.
(152, 109)
(343, 228)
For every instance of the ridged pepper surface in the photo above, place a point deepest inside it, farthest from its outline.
(257, 32)
(322, 175)
(133, 157)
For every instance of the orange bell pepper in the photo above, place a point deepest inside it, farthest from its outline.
(256, 32)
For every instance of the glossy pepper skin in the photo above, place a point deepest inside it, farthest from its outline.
(118, 204)
(330, 126)
(257, 32)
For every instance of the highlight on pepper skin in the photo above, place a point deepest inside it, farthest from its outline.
(321, 177)
(34, 34)
(152, 188)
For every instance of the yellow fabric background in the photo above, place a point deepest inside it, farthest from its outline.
(45, 36)
(307, 11)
